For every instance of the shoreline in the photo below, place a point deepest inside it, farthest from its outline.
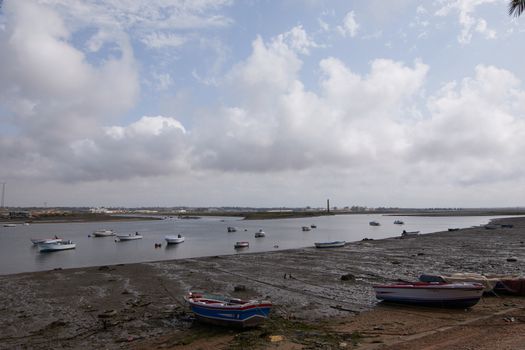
(140, 304)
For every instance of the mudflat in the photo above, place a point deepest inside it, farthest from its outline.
(323, 298)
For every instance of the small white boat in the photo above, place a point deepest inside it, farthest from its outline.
(431, 294)
(49, 246)
(103, 233)
(241, 244)
(9, 225)
(374, 223)
(260, 233)
(306, 228)
(399, 222)
(37, 241)
(333, 244)
(174, 239)
(129, 237)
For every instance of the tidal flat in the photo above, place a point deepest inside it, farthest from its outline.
(323, 298)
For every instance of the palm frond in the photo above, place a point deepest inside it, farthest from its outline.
(516, 7)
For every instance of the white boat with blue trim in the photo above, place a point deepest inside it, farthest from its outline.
(431, 293)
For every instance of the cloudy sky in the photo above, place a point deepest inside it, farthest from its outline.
(262, 103)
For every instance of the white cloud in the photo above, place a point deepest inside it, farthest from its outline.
(467, 20)
(350, 25)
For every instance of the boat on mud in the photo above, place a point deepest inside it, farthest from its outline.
(406, 234)
(227, 311)
(461, 294)
(174, 239)
(492, 283)
(50, 246)
(334, 244)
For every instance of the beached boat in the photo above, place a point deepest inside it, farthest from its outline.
(232, 229)
(514, 285)
(226, 311)
(453, 229)
(129, 237)
(175, 239)
(9, 225)
(399, 222)
(431, 293)
(103, 233)
(49, 246)
(37, 241)
(374, 223)
(406, 234)
(306, 228)
(333, 244)
(260, 233)
(241, 244)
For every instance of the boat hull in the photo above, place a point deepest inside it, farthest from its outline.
(174, 240)
(334, 244)
(245, 315)
(129, 238)
(431, 294)
(103, 233)
(241, 245)
(55, 247)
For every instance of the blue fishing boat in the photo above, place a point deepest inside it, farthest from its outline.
(226, 311)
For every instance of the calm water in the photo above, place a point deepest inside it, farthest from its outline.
(204, 237)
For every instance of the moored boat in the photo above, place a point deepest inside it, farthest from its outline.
(260, 233)
(431, 293)
(333, 244)
(241, 244)
(49, 246)
(37, 241)
(129, 237)
(103, 233)
(399, 222)
(175, 239)
(223, 310)
(232, 229)
(9, 225)
(306, 228)
(374, 223)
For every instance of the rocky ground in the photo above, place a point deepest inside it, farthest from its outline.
(323, 299)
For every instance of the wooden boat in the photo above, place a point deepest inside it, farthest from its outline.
(223, 310)
(431, 293)
(374, 223)
(406, 234)
(260, 233)
(399, 222)
(175, 239)
(241, 244)
(306, 228)
(56, 246)
(37, 241)
(103, 233)
(333, 244)
(129, 237)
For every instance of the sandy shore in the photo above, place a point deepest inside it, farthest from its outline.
(140, 305)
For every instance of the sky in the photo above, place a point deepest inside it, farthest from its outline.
(262, 103)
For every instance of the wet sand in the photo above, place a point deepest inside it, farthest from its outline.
(141, 306)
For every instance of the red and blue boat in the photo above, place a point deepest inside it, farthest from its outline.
(431, 293)
(226, 311)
